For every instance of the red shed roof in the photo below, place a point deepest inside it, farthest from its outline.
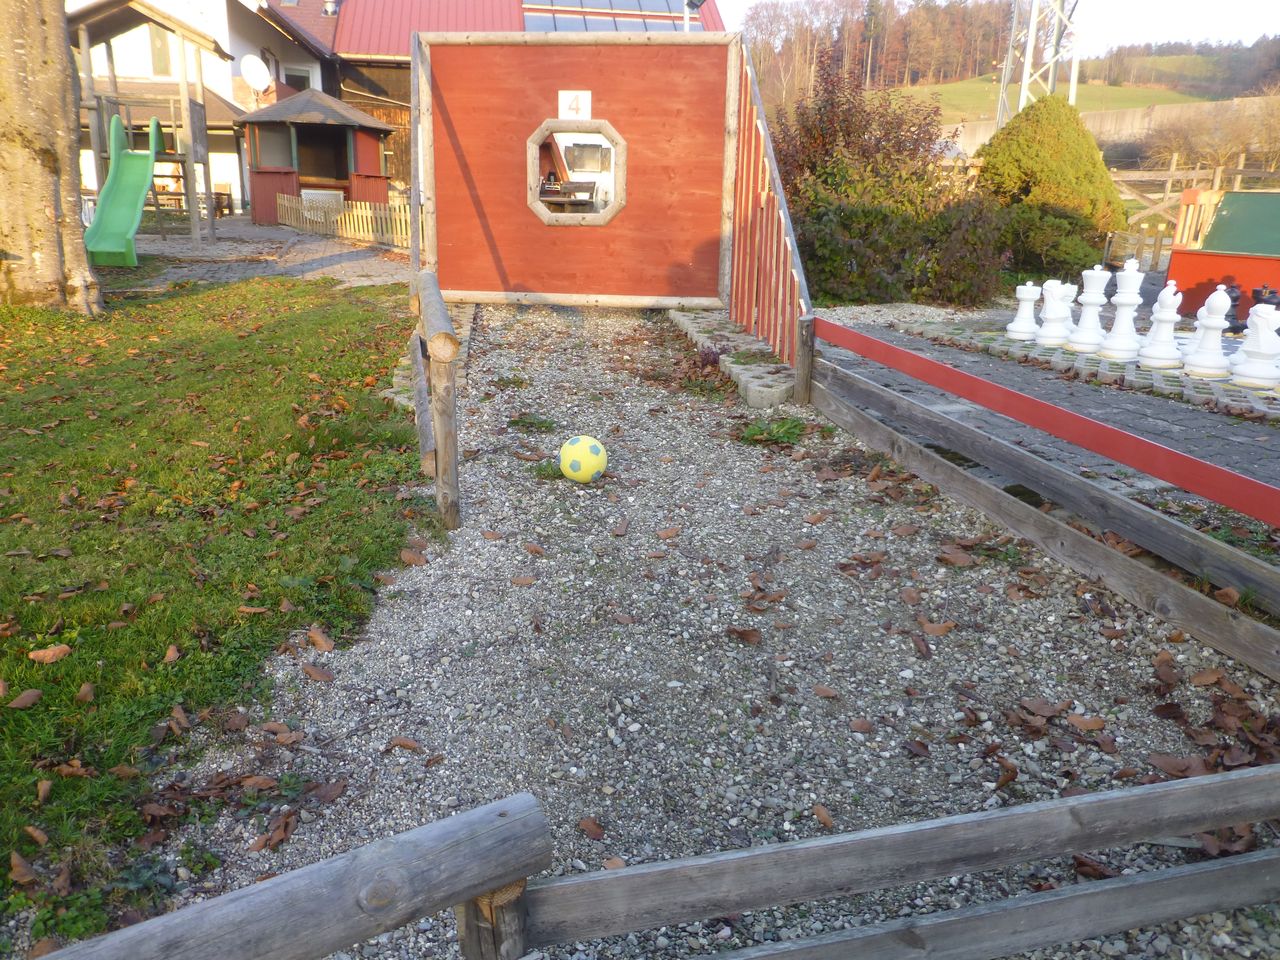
(307, 18)
(380, 29)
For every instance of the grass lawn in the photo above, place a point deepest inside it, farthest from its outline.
(182, 481)
(975, 99)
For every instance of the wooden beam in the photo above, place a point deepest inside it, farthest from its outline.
(733, 76)
(210, 208)
(434, 322)
(1196, 552)
(1077, 912)
(328, 906)
(422, 405)
(97, 129)
(444, 416)
(1221, 627)
(584, 300)
(492, 925)
(415, 166)
(654, 894)
(804, 360)
(188, 145)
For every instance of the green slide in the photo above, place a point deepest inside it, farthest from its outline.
(109, 238)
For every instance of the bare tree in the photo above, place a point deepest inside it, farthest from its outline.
(42, 256)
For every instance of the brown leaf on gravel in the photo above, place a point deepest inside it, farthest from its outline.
(1081, 722)
(25, 699)
(861, 725)
(318, 673)
(935, 629)
(625, 619)
(813, 519)
(1207, 678)
(806, 544)
(49, 654)
(748, 635)
(910, 596)
(524, 581)
(43, 789)
(36, 834)
(403, 743)
(1237, 756)
(319, 639)
(1007, 776)
(1106, 743)
(256, 782)
(491, 534)
(620, 528)
(954, 556)
(917, 747)
(85, 693)
(827, 693)
(62, 882)
(20, 871)
(1178, 766)
(278, 831)
(1043, 708)
(123, 771)
(904, 530)
(534, 549)
(1227, 595)
(923, 650)
(874, 474)
(668, 532)
(1170, 711)
(438, 758)
(614, 863)
(591, 827)
(274, 726)
(823, 816)
(1166, 671)
(328, 792)
(1091, 869)
(1125, 773)
(171, 654)
(412, 558)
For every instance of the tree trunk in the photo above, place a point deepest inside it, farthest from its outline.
(42, 256)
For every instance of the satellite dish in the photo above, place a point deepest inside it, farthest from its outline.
(255, 72)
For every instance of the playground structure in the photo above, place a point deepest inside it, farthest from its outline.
(109, 239)
(1226, 237)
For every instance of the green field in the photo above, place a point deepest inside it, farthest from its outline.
(975, 99)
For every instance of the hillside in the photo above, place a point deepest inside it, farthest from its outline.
(975, 99)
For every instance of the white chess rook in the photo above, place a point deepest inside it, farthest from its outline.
(1122, 342)
(1159, 347)
(1088, 335)
(1260, 367)
(1207, 359)
(1054, 315)
(1024, 326)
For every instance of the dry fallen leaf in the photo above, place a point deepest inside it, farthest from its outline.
(491, 534)
(123, 771)
(1208, 677)
(85, 693)
(43, 947)
(403, 743)
(748, 635)
(668, 533)
(328, 792)
(910, 596)
(250, 610)
(319, 639)
(171, 654)
(256, 782)
(935, 629)
(806, 544)
(823, 816)
(591, 827)
(614, 863)
(316, 672)
(19, 870)
(62, 882)
(827, 693)
(36, 834)
(534, 549)
(412, 558)
(917, 747)
(1081, 722)
(49, 654)
(1228, 595)
(904, 530)
(25, 699)
(524, 581)
(1178, 766)
(43, 789)
(861, 725)
(620, 528)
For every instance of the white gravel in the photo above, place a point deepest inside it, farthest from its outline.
(610, 687)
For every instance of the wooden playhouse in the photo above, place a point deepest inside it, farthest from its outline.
(1226, 237)
(612, 169)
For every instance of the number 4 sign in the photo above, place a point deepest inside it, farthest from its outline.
(575, 104)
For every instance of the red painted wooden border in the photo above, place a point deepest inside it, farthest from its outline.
(1231, 489)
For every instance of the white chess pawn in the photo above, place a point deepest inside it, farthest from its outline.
(1189, 344)
(1122, 342)
(1159, 348)
(1207, 359)
(1053, 330)
(1069, 291)
(1088, 334)
(1024, 326)
(1260, 367)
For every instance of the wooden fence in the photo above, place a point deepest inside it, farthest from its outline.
(481, 861)
(767, 292)
(433, 352)
(382, 223)
(1160, 190)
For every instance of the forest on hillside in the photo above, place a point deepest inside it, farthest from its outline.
(898, 43)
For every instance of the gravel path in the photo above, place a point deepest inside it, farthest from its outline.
(700, 649)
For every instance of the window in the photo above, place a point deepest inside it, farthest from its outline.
(577, 172)
(298, 79)
(322, 151)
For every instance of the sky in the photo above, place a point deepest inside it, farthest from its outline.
(1102, 24)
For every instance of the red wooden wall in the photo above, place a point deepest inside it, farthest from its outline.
(264, 184)
(1199, 272)
(668, 104)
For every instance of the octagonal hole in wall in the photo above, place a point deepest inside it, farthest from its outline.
(577, 172)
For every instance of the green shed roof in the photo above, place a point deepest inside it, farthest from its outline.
(1246, 223)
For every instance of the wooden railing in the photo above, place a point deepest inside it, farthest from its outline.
(480, 862)
(383, 223)
(767, 293)
(434, 353)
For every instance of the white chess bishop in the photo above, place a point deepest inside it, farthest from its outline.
(1024, 326)
(1159, 349)
(1260, 366)
(1088, 335)
(1206, 358)
(1122, 342)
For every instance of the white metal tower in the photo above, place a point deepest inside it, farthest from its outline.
(1041, 39)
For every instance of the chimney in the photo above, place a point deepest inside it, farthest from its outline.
(330, 8)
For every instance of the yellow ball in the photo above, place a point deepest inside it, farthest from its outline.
(583, 459)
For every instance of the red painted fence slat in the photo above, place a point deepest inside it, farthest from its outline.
(1245, 494)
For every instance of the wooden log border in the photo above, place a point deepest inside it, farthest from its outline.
(1190, 549)
(330, 905)
(1218, 626)
(1082, 911)
(655, 894)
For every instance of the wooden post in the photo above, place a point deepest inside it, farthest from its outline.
(94, 106)
(188, 168)
(1168, 183)
(492, 925)
(1239, 178)
(804, 359)
(444, 417)
(209, 207)
(422, 405)
(1217, 178)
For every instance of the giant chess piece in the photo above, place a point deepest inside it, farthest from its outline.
(1122, 342)
(1088, 335)
(1207, 359)
(1069, 291)
(1159, 348)
(1024, 326)
(1054, 315)
(1260, 367)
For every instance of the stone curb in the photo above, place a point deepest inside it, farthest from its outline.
(760, 384)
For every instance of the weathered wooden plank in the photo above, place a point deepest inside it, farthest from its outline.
(422, 405)
(444, 416)
(434, 323)
(804, 360)
(1221, 627)
(492, 925)
(328, 906)
(1078, 912)
(1192, 550)
(416, 147)
(654, 894)
(733, 74)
